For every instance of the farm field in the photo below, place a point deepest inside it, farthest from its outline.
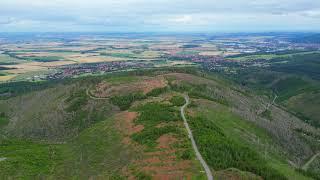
(269, 56)
(101, 106)
(75, 52)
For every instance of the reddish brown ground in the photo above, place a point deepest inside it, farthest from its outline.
(150, 84)
(105, 89)
(181, 77)
(125, 122)
(164, 124)
(162, 162)
(191, 112)
(165, 141)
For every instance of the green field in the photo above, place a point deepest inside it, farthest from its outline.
(7, 60)
(269, 56)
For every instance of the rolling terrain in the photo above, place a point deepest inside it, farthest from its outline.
(129, 125)
(291, 76)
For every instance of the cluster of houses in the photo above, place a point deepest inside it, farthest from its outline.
(95, 68)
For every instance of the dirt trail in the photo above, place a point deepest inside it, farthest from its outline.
(95, 98)
(306, 165)
(272, 103)
(194, 145)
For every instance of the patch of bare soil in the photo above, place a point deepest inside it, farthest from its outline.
(162, 163)
(189, 78)
(165, 141)
(150, 84)
(125, 123)
(191, 112)
(164, 124)
(105, 89)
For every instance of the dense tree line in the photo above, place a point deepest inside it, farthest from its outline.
(221, 152)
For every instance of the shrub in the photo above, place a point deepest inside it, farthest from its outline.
(154, 113)
(4, 120)
(151, 114)
(177, 101)
(157, 91)
(148, 136)
(124, 102)
(267, 114)
(76, 100)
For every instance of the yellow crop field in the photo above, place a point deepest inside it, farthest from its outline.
(6, 78)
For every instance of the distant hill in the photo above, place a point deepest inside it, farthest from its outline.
(306, 38)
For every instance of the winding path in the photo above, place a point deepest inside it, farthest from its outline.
(194, 145)
(93, 97)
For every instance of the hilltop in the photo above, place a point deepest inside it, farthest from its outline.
(128, 125)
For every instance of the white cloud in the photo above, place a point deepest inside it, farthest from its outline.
(152, 15)
(184, 19)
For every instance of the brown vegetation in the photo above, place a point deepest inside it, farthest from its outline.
(125, 122)
(105, 89)
(162, 161)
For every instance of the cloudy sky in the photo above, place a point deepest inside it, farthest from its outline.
(159, 15)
